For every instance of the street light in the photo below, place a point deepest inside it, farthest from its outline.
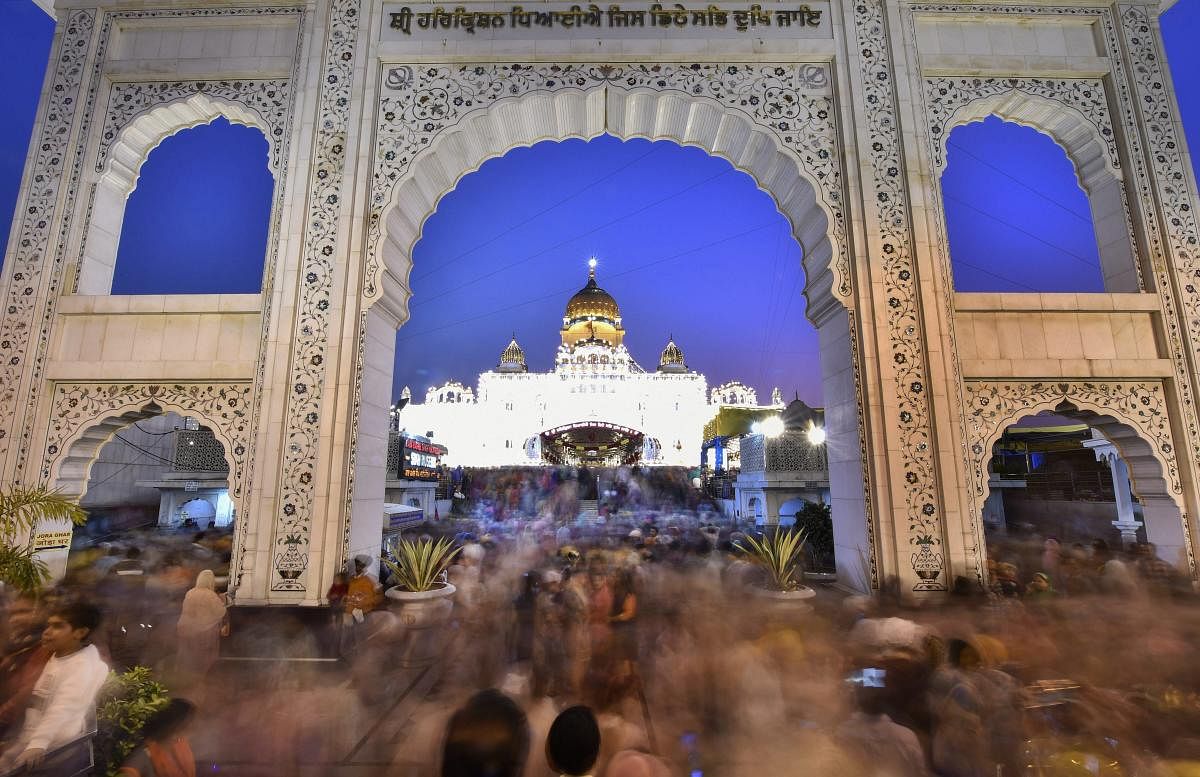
(771, 427)
(816, 434)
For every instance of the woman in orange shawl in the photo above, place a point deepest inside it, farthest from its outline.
(165, 751)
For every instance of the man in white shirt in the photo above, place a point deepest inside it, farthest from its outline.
(65, 693)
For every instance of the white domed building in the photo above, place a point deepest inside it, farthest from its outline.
(597, 407)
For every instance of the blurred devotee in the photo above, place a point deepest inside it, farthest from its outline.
(64, 696)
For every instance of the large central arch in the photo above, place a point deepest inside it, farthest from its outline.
(774, 122)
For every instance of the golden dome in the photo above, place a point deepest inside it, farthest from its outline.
(592, 300)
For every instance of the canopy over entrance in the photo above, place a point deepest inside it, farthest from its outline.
(592, 443)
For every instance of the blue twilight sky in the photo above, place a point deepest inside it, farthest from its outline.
(687, 245)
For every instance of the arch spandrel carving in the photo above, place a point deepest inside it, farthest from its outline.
(84, 416)
(80, 407)
(774, 122)
(141, 115)
(1133, 415)
(1072, 111)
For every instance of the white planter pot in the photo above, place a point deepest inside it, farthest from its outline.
(420, 615)
(792, 602)
(800, 594)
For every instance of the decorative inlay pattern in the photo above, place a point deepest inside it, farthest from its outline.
(224, 406)
(306, 380)
(359, 365)
(1164, 190)
(1151, 98)
(864, 456)
(268, 98)
(792, 99)
(945, 96)
(36, 215)
(993, 407)
(199, 451)
(904, 330)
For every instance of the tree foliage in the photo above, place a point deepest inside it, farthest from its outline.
(126, 703)
(22, 509)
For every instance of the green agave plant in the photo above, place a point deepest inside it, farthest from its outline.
(779, 554)
(21, 510)
(416, 565)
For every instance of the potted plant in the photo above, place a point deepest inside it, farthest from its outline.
(779, 554)
(422, 595)
(126, 702)
(22, 510)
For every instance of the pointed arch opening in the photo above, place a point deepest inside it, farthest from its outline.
(1034, 200)
(1069, 485)
(184, 200)
(149, 478)
(569, 114)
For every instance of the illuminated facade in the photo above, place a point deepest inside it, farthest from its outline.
(597, 406)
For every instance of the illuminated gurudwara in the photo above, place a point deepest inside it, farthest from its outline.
(598, 406)
(373, 110)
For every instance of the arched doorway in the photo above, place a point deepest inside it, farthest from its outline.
(1115, 445)
(806, 189)
(196, 441)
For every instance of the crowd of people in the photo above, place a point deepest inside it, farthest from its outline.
(153, 599)
(646, 648)
(502, 496)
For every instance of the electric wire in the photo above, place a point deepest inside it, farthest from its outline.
(503, 268)
(160, 458)
(560, 293)
(1022, 230)
(771, 307)
(542, 212)
(1014, 282)
(1021, 183)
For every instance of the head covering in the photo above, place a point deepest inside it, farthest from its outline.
(363, 560)
(206, 580)
(473, 551)
(553, 576)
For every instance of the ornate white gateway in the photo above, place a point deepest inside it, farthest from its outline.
(374, 110)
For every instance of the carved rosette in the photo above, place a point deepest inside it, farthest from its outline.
(268, 98)
(223, 406)
(35, 216)
(793, 100)
(907, 343)
(306, 383)
(944, 97)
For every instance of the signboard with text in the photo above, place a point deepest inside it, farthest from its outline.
(419, 460)
(498, 21)
(52, 540)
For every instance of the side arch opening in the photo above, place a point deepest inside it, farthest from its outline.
(194, 156)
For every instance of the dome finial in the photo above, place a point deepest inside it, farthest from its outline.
(592, 267)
